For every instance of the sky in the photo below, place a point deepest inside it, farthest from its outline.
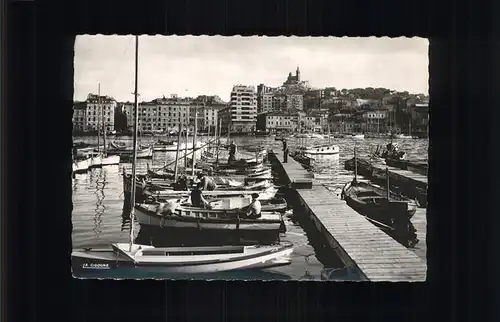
(211, 65)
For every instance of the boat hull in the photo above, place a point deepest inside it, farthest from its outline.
(393, 216)
(110, 262)
(127, 153)
(323, 150)
(211, 220)
(364, 167)
(81, 165)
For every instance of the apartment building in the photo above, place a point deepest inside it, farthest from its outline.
(100, 109)
(79, 116)
(243, 107)
(294, 101)
(278, 121)
(265, 98)
(375, 121)
(206, 108)
(161, 114)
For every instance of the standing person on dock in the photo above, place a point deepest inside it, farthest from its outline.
(197, 199)
(206, 183)
(232, 152)
(285, 151)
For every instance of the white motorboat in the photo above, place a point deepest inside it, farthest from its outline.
(179, 260)
(323, 150)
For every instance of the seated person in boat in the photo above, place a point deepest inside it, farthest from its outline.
(181, 184)
(253, 210)
(232, 152)
(197, 199)
(165, 209)
(206, 183)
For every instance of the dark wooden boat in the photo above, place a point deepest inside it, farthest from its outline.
(303, 159)
(417, 167)
(392, 214)
(210, 219)
(364, 167)
(271, 205)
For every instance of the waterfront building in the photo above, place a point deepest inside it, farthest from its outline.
(224, 115)
(98, 110)
(279, 102)
(281, 121)
(243, 107)
(309, 122)
(79, 116)
(206, 108)
(375, 121)
(161, 114)
(265, 98)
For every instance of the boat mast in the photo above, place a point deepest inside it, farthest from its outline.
(355, 166)
(218, 141)
(103, 122)
(194, 140)
(134, 153)
(387, 182)
(178, 148)
(186, 148)
(409, 122)
(98, 117)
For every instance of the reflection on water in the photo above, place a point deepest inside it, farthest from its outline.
(100, 208)
(100, 215)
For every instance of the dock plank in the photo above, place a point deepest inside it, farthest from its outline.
(361, 244)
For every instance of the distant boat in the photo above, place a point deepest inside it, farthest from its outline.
(358, 136)
(402, 136)
(316, 136)
(143, 153)
(323, 150)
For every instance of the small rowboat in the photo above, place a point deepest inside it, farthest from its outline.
(393, 214)
(122, 258)
(143, 153)
(209, 219)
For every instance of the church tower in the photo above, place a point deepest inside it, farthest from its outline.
(297, 74)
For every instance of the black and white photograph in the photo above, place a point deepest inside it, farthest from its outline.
(250, 158)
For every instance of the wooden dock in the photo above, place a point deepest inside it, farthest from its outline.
(401, 175)
(358, 243)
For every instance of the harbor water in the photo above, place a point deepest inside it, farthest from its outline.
(100, 215)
